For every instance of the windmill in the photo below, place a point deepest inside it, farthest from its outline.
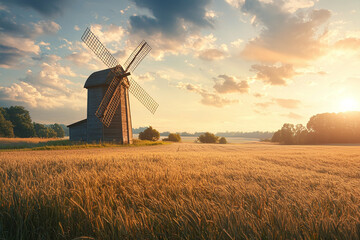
(108, 113)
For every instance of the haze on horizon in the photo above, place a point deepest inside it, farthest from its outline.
(229, 65)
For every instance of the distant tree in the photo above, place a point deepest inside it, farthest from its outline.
(6, 127)
(21, 121)
(44, 132)
(276, 137)
(58, 130)
(149, 134)
(208, 138)
(173, 137)
(222, 140)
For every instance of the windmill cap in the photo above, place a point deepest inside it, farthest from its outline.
(99, 78)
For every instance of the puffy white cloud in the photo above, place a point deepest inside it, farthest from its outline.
(228, 84)
(207, 98)
(17, 41)
(274, 75)
(211, 54)
(48, 88)
(286, 37)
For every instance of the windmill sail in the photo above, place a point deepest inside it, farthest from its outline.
(137, 56)
(99, 49)
(143, 96)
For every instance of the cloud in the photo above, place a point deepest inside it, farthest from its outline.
(287, 103)
(18, 40)
(48, 88)
(85, 59)
(293, 115)
(174, 27)
(264, 104)
(227, 84)
(171, 18)
(274, 75)
(208, 98)
(286, 37)
(211, 54)
(44, 7)
(109, 33)
(9, 56)
(348, 44)
(282, 102)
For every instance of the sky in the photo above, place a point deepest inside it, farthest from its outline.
(215, 65)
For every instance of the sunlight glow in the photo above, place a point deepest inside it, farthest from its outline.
(348, 104)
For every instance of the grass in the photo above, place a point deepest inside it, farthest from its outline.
(14, 144)
(182, 191)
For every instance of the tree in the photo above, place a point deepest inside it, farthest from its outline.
(173, 137)
(149, 134)
(21, 120)
(58, 130)
(6, 127)
(222, 140)
(276, 137)
(208, 138)
(44, 132)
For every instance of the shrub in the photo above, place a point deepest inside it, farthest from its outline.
(149, 134)
(173, 137)
(208, 138)
(222, 140)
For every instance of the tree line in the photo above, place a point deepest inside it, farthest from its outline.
(343, 127)
(15, 121)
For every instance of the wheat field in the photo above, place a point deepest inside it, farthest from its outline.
(182, 191)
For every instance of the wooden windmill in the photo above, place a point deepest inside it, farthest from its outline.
(108, 113)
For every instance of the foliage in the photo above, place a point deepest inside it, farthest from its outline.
(6, 127)
(322, 128)
(188, 191)
(42, 131)
(149, 134)
(208, 138)
(21, 121)
(222, 140)
(58, 130)
(173, 137)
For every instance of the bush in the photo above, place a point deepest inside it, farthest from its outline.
(222, 140)
(149, 134)
(208, 138)
(173, 137)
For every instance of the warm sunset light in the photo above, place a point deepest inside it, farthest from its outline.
(349, 104)
(179, 119)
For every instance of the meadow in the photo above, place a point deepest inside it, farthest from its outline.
(182, 191)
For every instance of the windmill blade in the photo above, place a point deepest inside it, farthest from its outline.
(137, 56)
(98, 48)
(143, 96)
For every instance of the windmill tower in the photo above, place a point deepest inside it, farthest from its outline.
(108, 111)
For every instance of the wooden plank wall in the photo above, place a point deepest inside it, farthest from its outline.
(78, 132)
(94, 126)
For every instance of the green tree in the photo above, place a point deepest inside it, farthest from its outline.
(173, 137)
(44, 132)
(21, 121)
(6, 127)
(149, 134)
(222, 140)
(208, 138)
(58, 130)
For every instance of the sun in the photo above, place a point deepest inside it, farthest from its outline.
(349, 104)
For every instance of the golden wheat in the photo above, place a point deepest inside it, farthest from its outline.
(182, 191)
